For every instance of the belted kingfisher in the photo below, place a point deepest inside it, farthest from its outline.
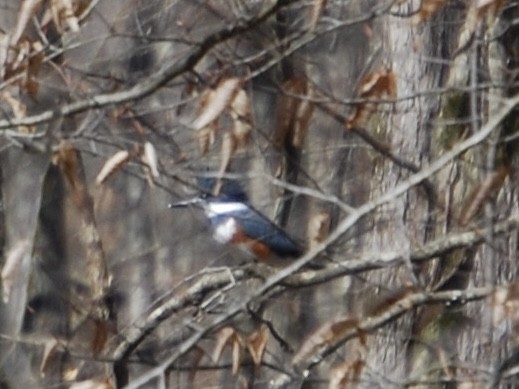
(235, 221)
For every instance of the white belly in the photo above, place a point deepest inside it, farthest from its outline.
(225, 231)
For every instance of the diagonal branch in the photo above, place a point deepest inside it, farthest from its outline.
(130, 338)
(341, 229)
(154, 81)
(392, 194)
(372, 323)
(373, 261)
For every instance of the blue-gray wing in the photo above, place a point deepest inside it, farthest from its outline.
(258, 227)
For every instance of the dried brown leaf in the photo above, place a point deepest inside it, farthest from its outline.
(18, 108)
(4, 53)
(428, 8)
(64, 14)
(21, 63)
(101, 333)
(27, 10)
(316, 12)
(15, 268)
(70, 373)
(136, 123)
(112, 164)
(96, 274)
(241, 115)
(35, 62)
(302, 121)
(66, 159)
(318, 228)
(49, 351)
(343, 375)
(216, 101)
(256, 343)
(241, 132)
(151, 159)
(293, 113)
(505, 304)
(287, 109)
(378, 84)
(324, 336)
(206, 137)
(236, 354)
(20, 60)
(374, 86)
(240, 105)
(229, 336)
(224, 336)
(488, 7)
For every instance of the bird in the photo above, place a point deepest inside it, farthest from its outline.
(234, 221)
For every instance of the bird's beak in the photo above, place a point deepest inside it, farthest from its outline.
(185, 203)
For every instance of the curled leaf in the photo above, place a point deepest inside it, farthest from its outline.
(256, 343)
(373, 86)
(27, 10)
(302, 121)
(236, 354)
(150, 158)
(505, 304)
(113, 164)
(492, 7)
(223, 337)
(241, 115)
(229, 336)
(4, 53)
(18, 108)
(49, 351)
(206, 137)
(318, 228)
(216, 101)
(64, 14)
(66, 159)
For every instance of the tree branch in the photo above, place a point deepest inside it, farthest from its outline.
(372, 323)
(341, 229)
(130, 338)
(378, 260)
(153, 82)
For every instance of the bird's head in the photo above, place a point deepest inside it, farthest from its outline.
(229, 191)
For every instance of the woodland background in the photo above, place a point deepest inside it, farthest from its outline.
(383, 134)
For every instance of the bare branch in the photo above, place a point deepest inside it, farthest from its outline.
(132, 337)
(154, 81)
(342, 228)
(372, 261)
(404, 305)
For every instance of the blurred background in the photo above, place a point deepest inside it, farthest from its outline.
(111, 110)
